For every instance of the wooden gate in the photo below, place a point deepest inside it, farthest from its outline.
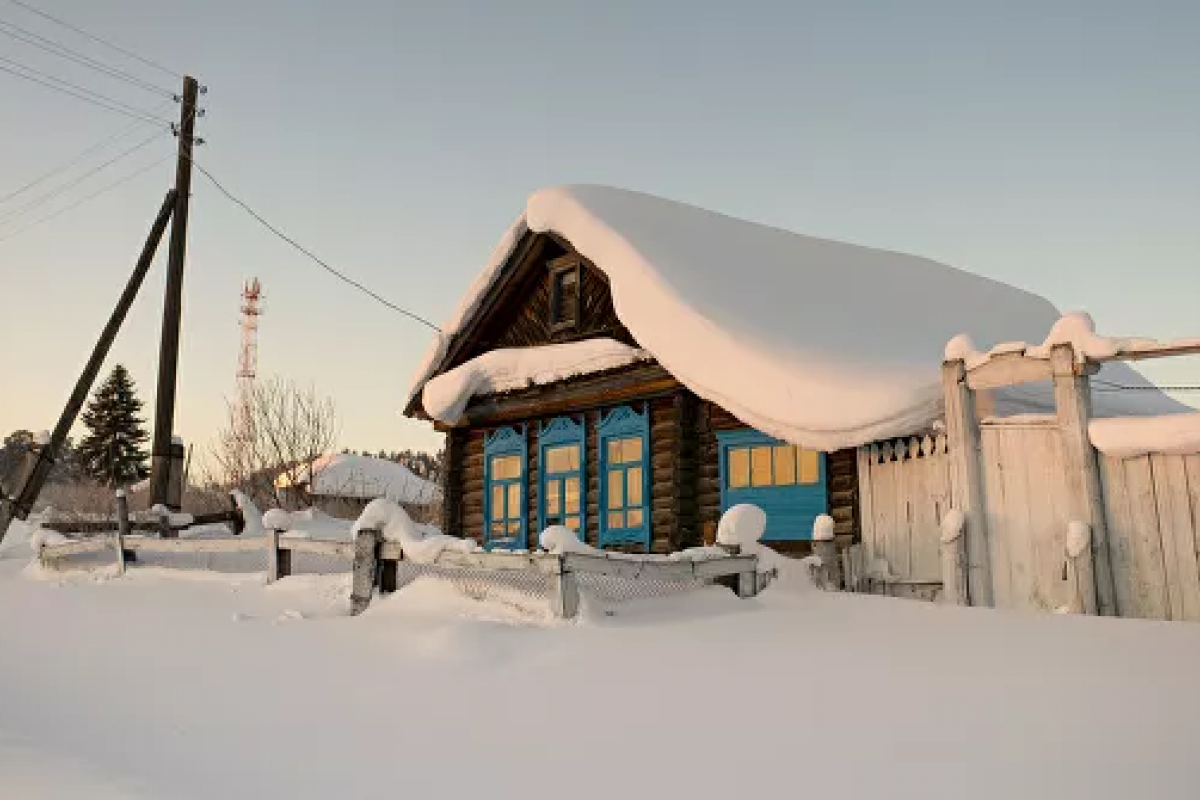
(1027, 502)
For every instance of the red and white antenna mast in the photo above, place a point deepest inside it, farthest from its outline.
(248, 359)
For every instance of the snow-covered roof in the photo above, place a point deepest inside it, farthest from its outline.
(821, 343)
(446, 396)
(365, 477)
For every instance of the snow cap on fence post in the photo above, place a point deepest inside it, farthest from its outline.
(953, 525)
(742, 525)
(823, 528)
(1081, 576)
(828, 573)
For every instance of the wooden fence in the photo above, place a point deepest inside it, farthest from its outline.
(375, 563)
(1023, 485)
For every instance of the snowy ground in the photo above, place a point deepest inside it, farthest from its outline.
(168, 684)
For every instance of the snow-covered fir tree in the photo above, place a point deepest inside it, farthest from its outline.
(112, 453)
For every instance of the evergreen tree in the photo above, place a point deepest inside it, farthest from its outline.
(111, 453)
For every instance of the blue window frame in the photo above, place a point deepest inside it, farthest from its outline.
(504, 514)
(624, 437)
(561, 473)
(785, 481)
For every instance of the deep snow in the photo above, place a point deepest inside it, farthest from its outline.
(195, 685)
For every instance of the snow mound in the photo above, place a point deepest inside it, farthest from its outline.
(366, 478)
(1131, 437)
(742, 525)
(953, 525)
(277, 520)
(446, 396)
(419, 543)
(1079, 538)
(559, 539)
(251, 516)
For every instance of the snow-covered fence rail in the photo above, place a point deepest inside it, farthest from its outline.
(557, 578)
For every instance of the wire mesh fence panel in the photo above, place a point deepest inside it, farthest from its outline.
(478, 583)
(616, 589)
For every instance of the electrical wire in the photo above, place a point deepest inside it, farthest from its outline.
(80, 92)
(62, 51)
(43, 199)
(319, 261)
(1109, 386)
(93, 37)
(54, 172)
(98, 193)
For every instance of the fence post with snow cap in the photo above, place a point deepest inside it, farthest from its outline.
(829, 572)
(1080, 574)
(956, 588)
(366, 560)
(276, 522)
(564, 590)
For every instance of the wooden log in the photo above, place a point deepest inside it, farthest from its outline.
(1081, 577)
(366, 550)
(564, 591)
(53, 552)
(271, 540)
(1072, 400)
(966, 476)
(955, 581)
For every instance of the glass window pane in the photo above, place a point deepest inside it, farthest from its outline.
(553, 496)
(514, 528)
(785, 466)
(633, 479)
(616, 486)
(497, 509)
(616, 520)
(514, 501)
(635, 516)
(633, 450)
(571, 500)
(739, 467)
(760, 466)
(573, 523)
(810, 466)
(506, 467)
(614, 451)
(497, 529)
(562, 459)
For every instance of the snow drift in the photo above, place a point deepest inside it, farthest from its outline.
(366, 478)
(820, 343)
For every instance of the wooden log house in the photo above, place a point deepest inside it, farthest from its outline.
(634, 456)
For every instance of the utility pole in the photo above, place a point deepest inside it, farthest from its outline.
(168, 355)
(36, 467)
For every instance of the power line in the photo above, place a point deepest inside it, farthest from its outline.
(76, 159)
(43, 199)
(50, 46)
(1117, 387)
(322, 263)
(99, 192)
(148, 62)
(80, 92)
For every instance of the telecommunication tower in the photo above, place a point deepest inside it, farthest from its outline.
(248, 359)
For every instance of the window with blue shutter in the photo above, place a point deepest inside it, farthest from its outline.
(785, 481)
(504, 514)
(624, 437)
(560, 465)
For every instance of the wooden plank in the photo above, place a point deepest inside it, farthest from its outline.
(224, 544)
(1192, 473)
(1130, 590)
(1050, 514)
(1000, 585)
(1178, 539)
(1072, 401)
(271, 539)
(1008, 370)
(320, 547)
(1147, 540)
(390, 551)
(630, 568)
(1184, 347)
(719, 567)
(1019, 528)
(900, 549)
(53, 552)
(866, 488)
(497, 561)
(366, 547)
(966, 475)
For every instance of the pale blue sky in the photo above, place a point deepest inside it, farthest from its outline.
(1052, 145)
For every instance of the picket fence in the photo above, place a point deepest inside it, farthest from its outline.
(1152, 509)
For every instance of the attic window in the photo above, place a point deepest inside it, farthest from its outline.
(564, 295)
